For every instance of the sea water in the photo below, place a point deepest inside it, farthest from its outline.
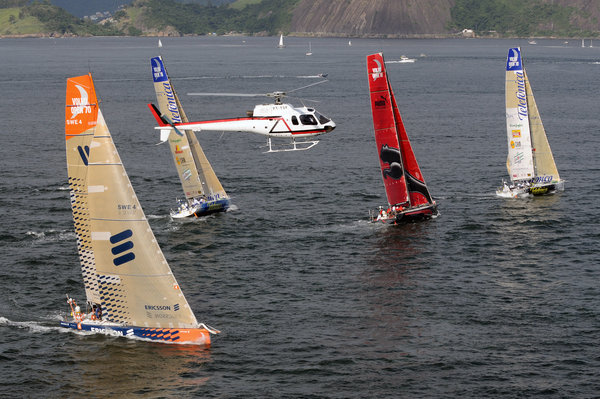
(494, 298)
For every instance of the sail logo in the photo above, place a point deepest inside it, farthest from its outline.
(178, 150)
(392, 157)
(121, 247)
(519, 156)
(516, 133)
(521, 96)
(378, 71)
(382, 102)
(176, 307)
(514, 60)
(180, 160)
(84, 153)
(187, 174)
(80, 105)
(171, 102)
(158, 72)
(515, 144)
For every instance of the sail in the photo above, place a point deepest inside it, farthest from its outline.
(195, 172)
(520, 158)
(386, 137)
(545, 167)
(418, 191)
(135, 283)
(81, 114)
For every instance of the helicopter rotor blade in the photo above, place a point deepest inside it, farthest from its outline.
(227, 94)
(310, 85)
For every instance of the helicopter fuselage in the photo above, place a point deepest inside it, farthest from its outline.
(273, 120)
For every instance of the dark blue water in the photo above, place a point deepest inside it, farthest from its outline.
(495, 298)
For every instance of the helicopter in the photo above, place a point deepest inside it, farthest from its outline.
(275, 120)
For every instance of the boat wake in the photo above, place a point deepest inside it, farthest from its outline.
(33, 326)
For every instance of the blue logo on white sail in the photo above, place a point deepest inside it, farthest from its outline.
(158, 70)
(122, 247)
(84, 153)
(513, 63)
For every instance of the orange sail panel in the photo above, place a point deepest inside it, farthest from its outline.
(386, 136)
(81, 111)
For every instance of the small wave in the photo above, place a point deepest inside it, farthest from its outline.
(52, 235)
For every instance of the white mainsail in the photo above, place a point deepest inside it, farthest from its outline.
(520, 158)
(195, 172)
(134, 282)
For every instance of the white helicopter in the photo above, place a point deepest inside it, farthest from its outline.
(279, 120)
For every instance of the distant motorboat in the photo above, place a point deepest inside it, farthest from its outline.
(403, 60)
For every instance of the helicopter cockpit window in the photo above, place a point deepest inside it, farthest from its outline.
(294, 120)
(322, 118)
(308, 119)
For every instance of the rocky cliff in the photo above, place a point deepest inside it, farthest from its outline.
(388, 18)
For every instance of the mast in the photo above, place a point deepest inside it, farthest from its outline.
(135, 282)
(520, 158)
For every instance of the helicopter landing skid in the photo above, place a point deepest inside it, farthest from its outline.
(295, 146)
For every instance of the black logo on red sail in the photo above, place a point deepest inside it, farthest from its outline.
(391, 156)
(381, 102)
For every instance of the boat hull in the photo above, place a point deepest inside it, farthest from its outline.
(535, 190)
(410, 215)
(195, 336)
(204, 209)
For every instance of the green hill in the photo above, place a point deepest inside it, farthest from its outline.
(384, 18)
(13, 21)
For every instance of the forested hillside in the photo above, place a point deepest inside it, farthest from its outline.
(362, 18)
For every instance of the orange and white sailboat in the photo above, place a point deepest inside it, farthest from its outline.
(130, 289)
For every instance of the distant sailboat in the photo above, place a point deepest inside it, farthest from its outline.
(349, 42)
(309, 49)
(530, 163)
(203, 191)
(407, 194)
(281, 45)
(129, 286)
(159, 44)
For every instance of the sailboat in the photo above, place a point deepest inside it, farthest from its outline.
(203, 191)
(309, 52)
(530, 163)
(130, 289)
(408, 197)
(281, 45)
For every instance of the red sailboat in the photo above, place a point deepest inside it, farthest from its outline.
(407, 194)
